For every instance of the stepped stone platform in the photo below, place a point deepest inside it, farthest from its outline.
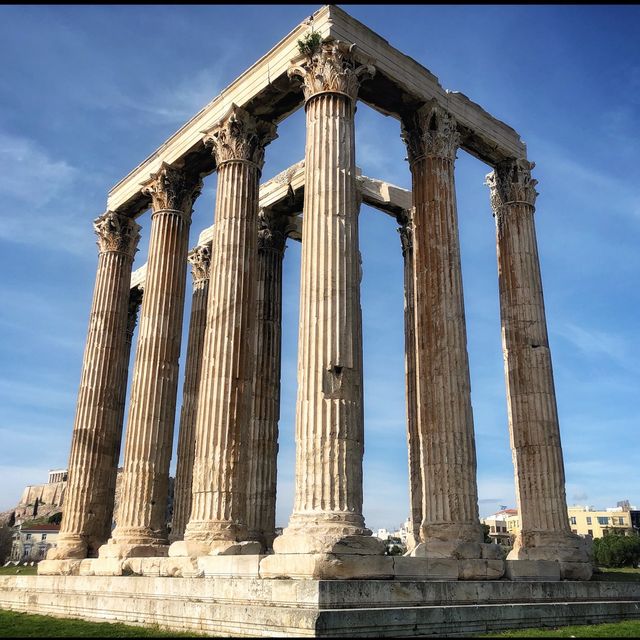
(258, 607)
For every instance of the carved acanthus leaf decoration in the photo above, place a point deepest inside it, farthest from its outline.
(135, 300)
(172, 189)
(117, 232)
(331, 67)
(511, 182)
(405, 220)
(431, 132)
(240, 136)
(270, 235)
(200, 260)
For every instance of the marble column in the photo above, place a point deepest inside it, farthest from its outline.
(265, 411)
(141, 529)
(450, 526)
(200, 260)
(327, 516)
(218, 511)
(97, 431)
(135, 301)
(533, 416)
(413, 436)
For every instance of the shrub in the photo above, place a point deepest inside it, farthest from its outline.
(617, 551)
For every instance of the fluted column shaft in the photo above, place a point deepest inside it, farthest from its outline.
(218, 509)
(265, 412)
(141, 526)
(97, 431)
(533, 416)
(329, 409)
(444, 391)
(413, 435)
(200, 259)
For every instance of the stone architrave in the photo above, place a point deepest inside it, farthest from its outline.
(533, 416)
(200, 260)
(218, 512)
(97, 431)
(450, 526)
(265, 411)
(413, 437)
(141, 529)
(327, 516)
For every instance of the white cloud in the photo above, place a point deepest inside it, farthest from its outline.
(42, 198)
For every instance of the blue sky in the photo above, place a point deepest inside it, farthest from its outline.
(86, 93)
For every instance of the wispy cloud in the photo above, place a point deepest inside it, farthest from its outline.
(42, 197)
(597, 343)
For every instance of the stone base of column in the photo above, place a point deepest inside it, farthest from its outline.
(458, 541)
(196, 549)
(136, 545)
(327, 535)
(573, 553)
(68, 547)
(326, 566)
(265, 539)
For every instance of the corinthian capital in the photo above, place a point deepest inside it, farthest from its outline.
(270, 235)
(240, 136)
(405, 220)
(172, 189)
(511, 182)
(117, 232)
(331, 67)
(431, 132)
(200, 260)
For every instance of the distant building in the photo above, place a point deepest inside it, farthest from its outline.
(31, 543)
(583, 520)
(43, 500)
(402, 533)
(498, 524)
(587, 521)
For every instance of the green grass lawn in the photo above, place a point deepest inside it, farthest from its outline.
(24, 625)
(621, 574)
(626, 629)
(19, 570)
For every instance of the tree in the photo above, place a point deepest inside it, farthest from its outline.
(6, 542)
(617, 550)
(56, 518)
(486, 530)
(35, 507)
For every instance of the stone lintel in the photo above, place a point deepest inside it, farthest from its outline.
(401, 84)
(283, 195)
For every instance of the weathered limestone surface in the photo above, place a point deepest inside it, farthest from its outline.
(413, 435)
(97, 430)
(450, 527)
(218, 512)
(200, 260)
(140, 529)
(327, 516)
(533, 416)
(265, 409)
(321, 608)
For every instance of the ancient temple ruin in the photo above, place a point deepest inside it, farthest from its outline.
(224, 505)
